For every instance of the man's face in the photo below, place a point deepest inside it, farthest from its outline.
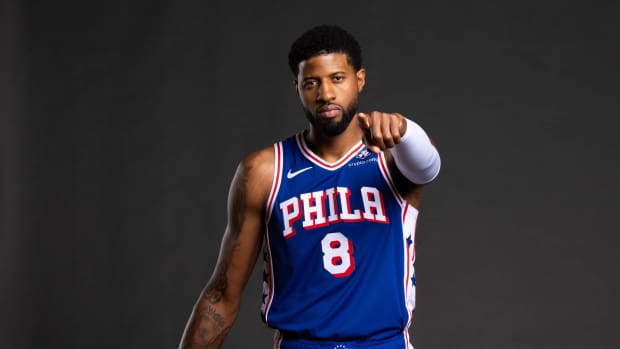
(328, 87)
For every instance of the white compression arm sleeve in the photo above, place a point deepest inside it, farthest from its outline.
(415, 156)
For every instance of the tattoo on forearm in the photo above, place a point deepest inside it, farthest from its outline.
(215, 290)
(209, 327)
(212, 330)
(208, 314)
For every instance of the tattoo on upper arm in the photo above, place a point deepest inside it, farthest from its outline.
(239, 204)
(218, 285)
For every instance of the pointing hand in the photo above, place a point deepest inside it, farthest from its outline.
(381, 130)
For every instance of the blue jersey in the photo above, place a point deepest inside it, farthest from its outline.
(339, 249)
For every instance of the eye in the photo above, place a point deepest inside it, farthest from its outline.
(338, 78)
(307, 84)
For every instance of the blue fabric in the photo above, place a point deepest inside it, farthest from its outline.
(309, 301)
(396, 342)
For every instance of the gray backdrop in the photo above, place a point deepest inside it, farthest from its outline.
(121, 124)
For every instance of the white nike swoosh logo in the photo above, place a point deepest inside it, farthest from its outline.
(290, 174)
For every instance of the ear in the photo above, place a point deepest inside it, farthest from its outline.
(361, 79)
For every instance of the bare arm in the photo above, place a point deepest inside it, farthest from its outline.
(219, 302)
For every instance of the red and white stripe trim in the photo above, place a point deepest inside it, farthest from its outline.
(409, 219)
(277, 179)
(330, 166)
(275, 188)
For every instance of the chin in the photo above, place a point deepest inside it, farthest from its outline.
(330, 127)
(334, 128)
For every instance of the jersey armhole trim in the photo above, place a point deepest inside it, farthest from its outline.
(275, 188)
(277, 179)
(404, 204)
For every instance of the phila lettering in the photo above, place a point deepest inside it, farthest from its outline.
(324, 207)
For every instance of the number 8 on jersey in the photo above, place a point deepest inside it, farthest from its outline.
(337, 254)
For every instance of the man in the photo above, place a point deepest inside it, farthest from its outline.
(334, 208)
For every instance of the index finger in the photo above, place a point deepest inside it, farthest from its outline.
(365, 124)
(363, 121)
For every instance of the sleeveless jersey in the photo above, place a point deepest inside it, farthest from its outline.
(339, 248)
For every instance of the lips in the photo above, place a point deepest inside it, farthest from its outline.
(329, 111)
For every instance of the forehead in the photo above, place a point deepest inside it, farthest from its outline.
(325, 64)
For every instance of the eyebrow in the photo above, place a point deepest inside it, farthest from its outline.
(316, 77)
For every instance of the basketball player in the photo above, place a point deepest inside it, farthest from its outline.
(334, 209)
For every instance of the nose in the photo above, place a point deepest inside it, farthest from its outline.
(326, 92)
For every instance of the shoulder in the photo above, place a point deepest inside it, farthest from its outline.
(259, 163)
(255, 173)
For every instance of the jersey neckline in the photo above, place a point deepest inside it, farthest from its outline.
(331, 166)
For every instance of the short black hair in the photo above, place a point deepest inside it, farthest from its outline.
(324, 39)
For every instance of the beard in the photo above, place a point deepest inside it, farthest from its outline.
(333, 127)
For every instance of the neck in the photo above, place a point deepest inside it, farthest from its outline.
(332, 148)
